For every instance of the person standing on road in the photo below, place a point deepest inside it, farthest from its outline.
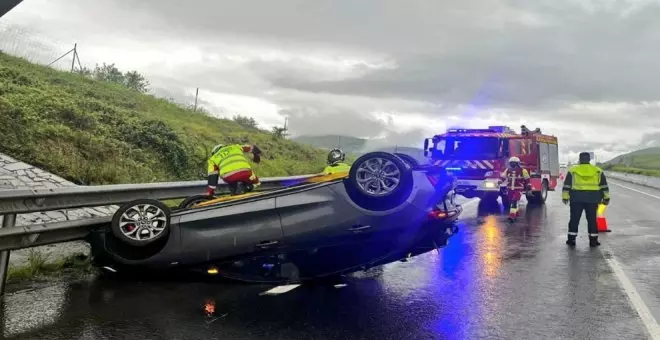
(516, 179)
(585, 187)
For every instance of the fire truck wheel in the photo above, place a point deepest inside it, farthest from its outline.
(505, 203)
(539, 197)
(489, 197)
(379, 181)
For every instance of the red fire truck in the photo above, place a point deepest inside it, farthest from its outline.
(477, 156)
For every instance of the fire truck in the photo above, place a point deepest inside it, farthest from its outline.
(476, 157)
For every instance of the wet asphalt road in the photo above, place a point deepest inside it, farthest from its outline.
(493, 281)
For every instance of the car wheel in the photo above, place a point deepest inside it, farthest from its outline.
(539, 197)
(379, 181)
(141, 222)
(192, 200)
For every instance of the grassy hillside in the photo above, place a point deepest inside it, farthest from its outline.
(348, 144)
(98, 132)
(642, 162)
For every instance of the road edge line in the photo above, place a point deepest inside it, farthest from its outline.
(633, 189)
(634, 298)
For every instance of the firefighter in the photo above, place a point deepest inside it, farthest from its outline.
(585, 187)
(336, 163)
(229, 163)
(517, 181)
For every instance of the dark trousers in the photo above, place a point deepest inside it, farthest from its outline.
(590, 209)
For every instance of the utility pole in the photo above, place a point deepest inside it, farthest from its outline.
(196, 95)
(75, 54)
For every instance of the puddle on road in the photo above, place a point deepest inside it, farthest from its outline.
(32, 308)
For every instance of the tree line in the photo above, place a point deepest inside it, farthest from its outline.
(132, 80)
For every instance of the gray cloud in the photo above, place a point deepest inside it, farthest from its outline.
(584, 70)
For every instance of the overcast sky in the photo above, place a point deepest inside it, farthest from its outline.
(585, 71)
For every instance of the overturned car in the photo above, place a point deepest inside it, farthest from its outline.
(387, 208)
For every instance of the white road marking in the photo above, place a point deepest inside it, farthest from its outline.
(635, 299)
(280, 289)
(633, 189)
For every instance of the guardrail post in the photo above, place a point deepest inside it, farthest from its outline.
(8, 221)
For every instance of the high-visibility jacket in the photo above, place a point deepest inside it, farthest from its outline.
(335, 168)
(515, 179)
(585, 183)
(226, 161)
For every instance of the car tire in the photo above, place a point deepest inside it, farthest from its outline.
(153, 216)
(192, 200)
(395, 174)
(411, 161)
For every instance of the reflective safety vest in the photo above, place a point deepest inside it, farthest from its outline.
(585, 183)
(335, 168)
(228, 160)
(516, 179)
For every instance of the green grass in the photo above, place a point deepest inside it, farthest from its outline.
(636, 171)
(644, 159)
(95, 132)
(38, 267)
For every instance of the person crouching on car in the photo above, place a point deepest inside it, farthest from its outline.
(336, 163)
(229, 163)
(517, 181)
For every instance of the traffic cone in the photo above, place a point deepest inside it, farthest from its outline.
(601, 222)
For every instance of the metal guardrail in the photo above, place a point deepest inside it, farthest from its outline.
(26, 201)
(14, 202)
(647, 181)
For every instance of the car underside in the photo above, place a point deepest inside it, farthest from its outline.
(387, 208)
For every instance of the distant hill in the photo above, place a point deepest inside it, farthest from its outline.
(348, 144)
(642, 159)
(643, 162)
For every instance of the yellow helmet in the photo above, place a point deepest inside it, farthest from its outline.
(514, 159)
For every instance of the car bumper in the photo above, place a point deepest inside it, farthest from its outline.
(480, 185)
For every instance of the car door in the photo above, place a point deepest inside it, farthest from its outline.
(324, 234)
(214, 233)
(317, 217)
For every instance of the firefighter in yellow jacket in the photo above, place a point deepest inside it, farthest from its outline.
(229, 163)
(585, 187)
(336, 163)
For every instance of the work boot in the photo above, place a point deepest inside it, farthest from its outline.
(571, 240)
(593, 241)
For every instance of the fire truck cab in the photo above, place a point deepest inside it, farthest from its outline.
(476, 157)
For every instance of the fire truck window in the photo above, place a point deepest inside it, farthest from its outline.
(504, 148)
(472, 148)
(516, 147)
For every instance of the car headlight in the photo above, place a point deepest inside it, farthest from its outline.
(490, 183)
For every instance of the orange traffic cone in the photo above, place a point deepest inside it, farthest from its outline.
(601, 222)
